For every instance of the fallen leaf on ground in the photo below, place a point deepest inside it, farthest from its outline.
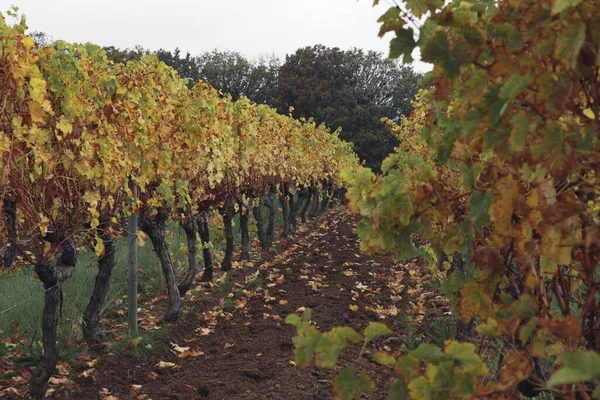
(165, 364)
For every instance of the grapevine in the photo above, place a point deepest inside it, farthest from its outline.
(75, 129)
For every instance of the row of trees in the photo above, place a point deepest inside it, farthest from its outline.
(80, 134)
(351, 89)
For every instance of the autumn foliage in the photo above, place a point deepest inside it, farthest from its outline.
(76, 129)
(503, 173)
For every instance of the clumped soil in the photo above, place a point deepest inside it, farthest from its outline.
(242, 347)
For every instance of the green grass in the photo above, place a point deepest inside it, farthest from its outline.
(22, 295)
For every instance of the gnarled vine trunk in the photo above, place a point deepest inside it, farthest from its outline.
(9, 208)
(293, 209)
(52, 276)
(307, 195)
(327, 188)
(91, 317)
(189, 227)
(314, 211)
(284, 208)
(227, 212)
(270, 203)
(155, 229)
(204, 232)
(262, 236)
(245, 255)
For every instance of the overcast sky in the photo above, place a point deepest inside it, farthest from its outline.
(252, 27)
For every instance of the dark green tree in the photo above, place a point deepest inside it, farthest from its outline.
(187, 67)
(123, 55)
(232, 73)
(353, 89)
(41, 39)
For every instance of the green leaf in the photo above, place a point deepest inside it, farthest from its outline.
(561, 5)
(305, 346)
(438, 50)
(347, 333)
(489, 328)
(579, 366)
(384, 358)
(398, 391)
(418, 7)
(407, 367)
(569, 43)
(294, 320)
(374, 330)
(514, 86)
(329, 346)
(527, 330)
(526, 307)
(420, 389)
(390, 15)
(520, 128)
(406, 250)
(466, 355)
(403, 45)
(452, 285)
(427, 352)
(349, 384)
(480, 203)
(327, 350)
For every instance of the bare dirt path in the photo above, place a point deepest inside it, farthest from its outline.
(239, 346)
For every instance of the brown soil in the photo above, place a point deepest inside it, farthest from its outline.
(249, 355)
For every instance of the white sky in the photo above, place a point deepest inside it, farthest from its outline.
(252, 27)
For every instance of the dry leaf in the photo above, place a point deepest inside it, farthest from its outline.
(191, 353)
(165, 364)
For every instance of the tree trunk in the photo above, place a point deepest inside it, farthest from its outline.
(463, 330)
(308, 193)
(315, 206)
(227, 213)
(155, 229)
(326, 196)
(293, 210)
(10, 216)
(244, 230)
(205, 240)
(91, 317)
(52, 276)
(189, 227)
(272, 212)
(262, 237)
(341, 195)
(284, 207)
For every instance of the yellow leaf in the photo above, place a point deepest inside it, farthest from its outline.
(28, 42)
(191, 353)
(589, 113)
(44, 222)
(65, 125)
(38, 89)
(553, 247)
(94, 222)
(506, 194)
(87, 373)
(179, 349)
(165, 364)
(99, 248)
(141, 237)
